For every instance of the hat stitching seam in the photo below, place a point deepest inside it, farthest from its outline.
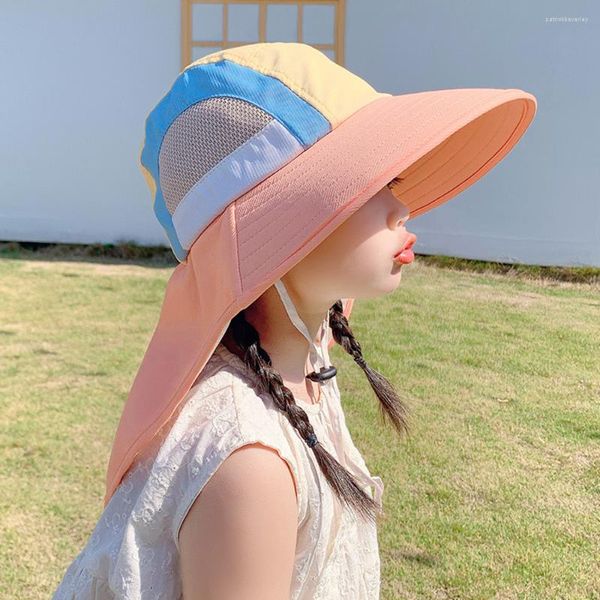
(452, 124)
(158, 186)
(211, 171)
(318, 104)
(406, 173)
(159, 151)
(247, 255)
(160, 418)
(507, 143)
(269, 182)
(310, 225)
(473, 135)
(235, 249)
(227, 155)
(280, 76)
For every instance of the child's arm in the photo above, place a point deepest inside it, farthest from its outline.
(238, 539)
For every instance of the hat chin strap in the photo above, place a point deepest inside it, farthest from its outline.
(317, 352)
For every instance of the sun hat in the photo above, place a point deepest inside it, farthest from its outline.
(253, 157)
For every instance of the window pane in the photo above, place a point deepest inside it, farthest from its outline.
(200, 51)
(242, 23)
(207, 22)
(318, 24)
(330, 53)
(282, 23)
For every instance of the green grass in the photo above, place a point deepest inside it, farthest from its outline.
(495, 493)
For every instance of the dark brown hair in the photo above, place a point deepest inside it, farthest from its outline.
(343, 483)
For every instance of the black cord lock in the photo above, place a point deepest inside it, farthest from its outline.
(324, 374)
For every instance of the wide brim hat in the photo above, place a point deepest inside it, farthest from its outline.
(254, 156)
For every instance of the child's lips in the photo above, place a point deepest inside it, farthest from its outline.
(406, 255)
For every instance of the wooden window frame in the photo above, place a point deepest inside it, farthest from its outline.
(187, 43)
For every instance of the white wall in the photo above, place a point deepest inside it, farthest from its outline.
(540, 204)
(80, 76)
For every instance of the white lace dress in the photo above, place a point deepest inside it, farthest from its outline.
(133, 551)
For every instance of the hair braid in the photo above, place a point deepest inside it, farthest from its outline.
(390, 403)
(340, 479)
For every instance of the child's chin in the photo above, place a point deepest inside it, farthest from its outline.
(396, 271)
(392, 282)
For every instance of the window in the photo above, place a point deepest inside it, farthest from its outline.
(210, 25)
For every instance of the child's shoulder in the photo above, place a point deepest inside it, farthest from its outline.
(226, 377)
(227, 398)
(223, 411)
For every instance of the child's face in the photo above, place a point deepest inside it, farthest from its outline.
(356, 260)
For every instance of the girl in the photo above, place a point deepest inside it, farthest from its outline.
(283, 182)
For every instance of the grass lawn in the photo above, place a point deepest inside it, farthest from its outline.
(495, 493)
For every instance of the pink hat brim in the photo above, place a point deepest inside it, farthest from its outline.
(440, 142)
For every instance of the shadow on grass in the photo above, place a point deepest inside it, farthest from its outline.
(126, 252)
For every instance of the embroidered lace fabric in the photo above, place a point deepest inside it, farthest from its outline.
(133, 551)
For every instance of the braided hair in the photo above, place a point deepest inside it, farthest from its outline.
(390, 404)
(343, 483)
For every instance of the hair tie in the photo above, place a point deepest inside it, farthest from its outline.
(311, 440)
(360, 361)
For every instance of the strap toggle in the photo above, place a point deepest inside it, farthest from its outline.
(324, 374)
